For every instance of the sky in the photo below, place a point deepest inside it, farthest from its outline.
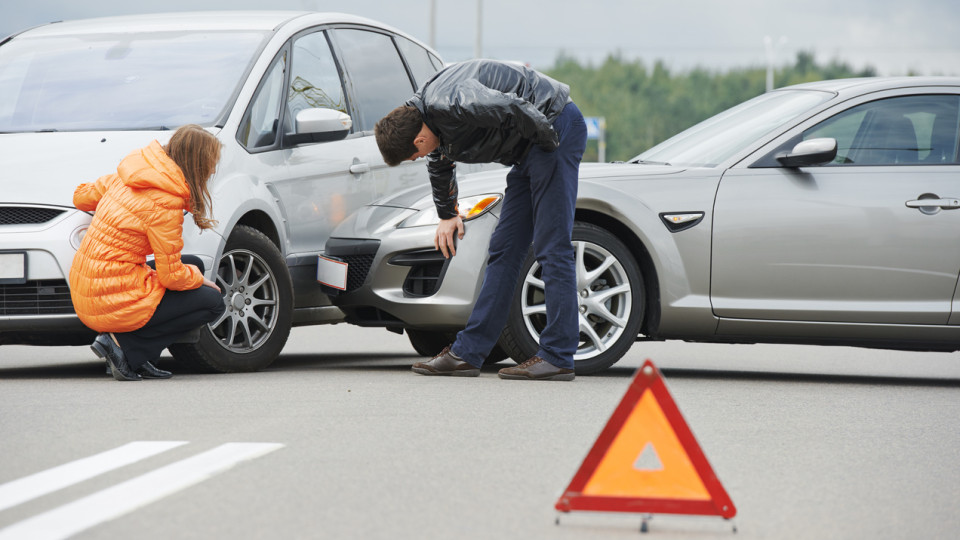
(892, 36)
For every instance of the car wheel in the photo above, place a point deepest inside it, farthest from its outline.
(258, 293)
(611, 294)
(428, 343)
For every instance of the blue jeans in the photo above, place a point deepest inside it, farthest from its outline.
(538, 207)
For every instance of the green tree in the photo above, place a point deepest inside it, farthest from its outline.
(644, 105)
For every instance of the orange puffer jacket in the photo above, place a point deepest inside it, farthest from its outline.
(139, 211)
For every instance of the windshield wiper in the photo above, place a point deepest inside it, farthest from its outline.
(645, 162)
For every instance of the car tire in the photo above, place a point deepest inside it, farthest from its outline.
(429, 343)
(258, 293)
(612, 302)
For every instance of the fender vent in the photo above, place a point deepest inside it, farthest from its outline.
(427, 268)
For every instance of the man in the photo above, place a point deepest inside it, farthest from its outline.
(485, 111)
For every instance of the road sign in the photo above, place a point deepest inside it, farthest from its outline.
(593, 126)
(597, 129)
(646, 460)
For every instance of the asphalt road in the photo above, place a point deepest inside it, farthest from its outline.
(340, 440)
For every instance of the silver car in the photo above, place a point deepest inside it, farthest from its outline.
(293, 97)
(823, 213)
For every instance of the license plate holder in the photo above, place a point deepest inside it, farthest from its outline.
(13, 267)
(332, 272)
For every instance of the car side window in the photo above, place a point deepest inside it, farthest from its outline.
(907, 130)
(418, 59)
(314, 78)
(259, 126)
(377, 76)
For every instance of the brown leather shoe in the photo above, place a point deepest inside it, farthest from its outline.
(445, 364)
(537, 369)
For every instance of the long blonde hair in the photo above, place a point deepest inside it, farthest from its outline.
(196, 151)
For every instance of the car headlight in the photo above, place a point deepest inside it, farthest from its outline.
(76, 238)
(470, 208)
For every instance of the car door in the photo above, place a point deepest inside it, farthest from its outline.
(317, 177)
(380, 79)
(848, 241)
(328, 181)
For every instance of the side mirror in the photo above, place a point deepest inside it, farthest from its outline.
(319, 125)
(809, 152)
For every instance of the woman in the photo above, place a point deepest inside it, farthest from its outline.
(140, 309)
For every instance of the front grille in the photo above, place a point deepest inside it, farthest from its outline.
(358, 266)
(48, 297)
(27, 215)
(358, 253)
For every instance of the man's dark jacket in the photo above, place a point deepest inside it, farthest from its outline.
(485, 111)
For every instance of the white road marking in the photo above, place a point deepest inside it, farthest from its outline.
(123, 498)
(50, 480)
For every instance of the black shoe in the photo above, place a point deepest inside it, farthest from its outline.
(150, 371)
(105, 348)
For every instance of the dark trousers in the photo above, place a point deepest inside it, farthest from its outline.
(538, 207)
(178, 313)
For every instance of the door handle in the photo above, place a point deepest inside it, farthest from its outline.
(946, 204)
(360, 168)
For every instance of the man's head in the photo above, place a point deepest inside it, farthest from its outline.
(402, 135)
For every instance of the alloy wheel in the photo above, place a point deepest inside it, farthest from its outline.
(604, 295)
(250, 293)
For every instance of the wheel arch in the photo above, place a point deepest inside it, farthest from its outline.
(261, 221)
(243, 199)
(651, 281)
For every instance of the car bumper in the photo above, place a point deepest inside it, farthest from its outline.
(409, 284)
(39, 309)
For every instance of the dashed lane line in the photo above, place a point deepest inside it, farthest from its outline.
(57, 478)
(126, 497)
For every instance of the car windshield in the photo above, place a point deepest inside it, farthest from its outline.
(155, 80)
(718, 138)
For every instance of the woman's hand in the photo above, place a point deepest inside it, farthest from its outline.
(211, 284)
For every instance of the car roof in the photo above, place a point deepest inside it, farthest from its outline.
(874, 84)
(194, 20)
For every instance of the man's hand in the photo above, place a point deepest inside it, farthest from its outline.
(549, 140)
(443, 240)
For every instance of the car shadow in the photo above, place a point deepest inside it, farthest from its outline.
(72, 370)
(392, 362)
(344, 362)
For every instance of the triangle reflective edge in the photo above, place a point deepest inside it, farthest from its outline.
(573, 498)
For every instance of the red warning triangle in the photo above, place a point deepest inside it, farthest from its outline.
(647, 460)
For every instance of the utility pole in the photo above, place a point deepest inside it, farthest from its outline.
(771, 56)
(433, 24)
(478, 45)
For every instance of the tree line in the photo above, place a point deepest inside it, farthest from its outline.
(645, 106)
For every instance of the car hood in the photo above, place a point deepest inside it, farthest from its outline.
(46, 168)
(495, 180)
